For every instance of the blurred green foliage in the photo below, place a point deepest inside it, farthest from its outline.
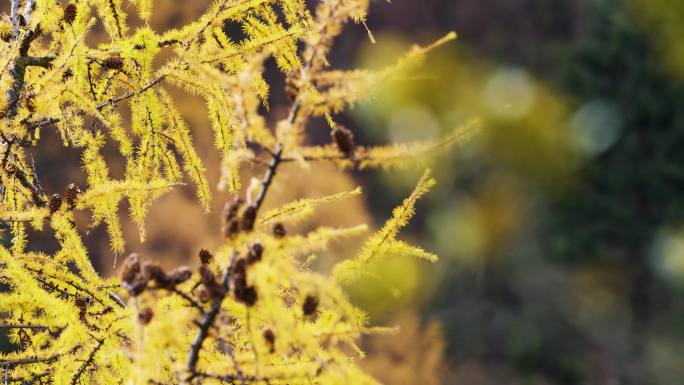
(560, 228)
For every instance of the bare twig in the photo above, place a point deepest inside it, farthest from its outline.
(268, 177)
(14, 16)
(24, 326)
(208, 321)
(189, 299)
(34, 360)
(18, 70)
(100, 107)
(36, 193)
(27, 379)
(28, 9)
(116, 299)
(88, 362)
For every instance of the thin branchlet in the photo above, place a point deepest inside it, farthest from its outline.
(208, 321)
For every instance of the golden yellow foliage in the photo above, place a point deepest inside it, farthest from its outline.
(253, 312)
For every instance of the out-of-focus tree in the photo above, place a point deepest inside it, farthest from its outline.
(414, 355)
(578, 258)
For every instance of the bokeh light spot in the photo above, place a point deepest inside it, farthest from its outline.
(597, 125)
(510, 93)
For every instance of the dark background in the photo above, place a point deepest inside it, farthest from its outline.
(577, 278)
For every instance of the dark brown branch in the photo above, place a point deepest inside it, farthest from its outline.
(112, 7)
(130, 94)
(28, 379)
(186, 297)
(208, 321)
(36, 194)
(276, 158)
(50, 287)
(18, 70)
(232, 378)
(35, 360)
(39, 273)
(100, 107)
(24, 326)
(165, 43)
(268, 177)
(88, 362)
(18, 73)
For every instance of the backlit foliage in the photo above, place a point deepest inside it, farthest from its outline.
(253, 312)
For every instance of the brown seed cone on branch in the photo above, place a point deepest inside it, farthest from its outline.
(54, 203)
(145, 315)
(131, 275)
(180, 275)
(69, 14)
(255, 253)
(71, 194)
(279, 230)
(113, 63)
(310, 305)
(205, 257)
(269, 337)
(344, 140)
(248, 218)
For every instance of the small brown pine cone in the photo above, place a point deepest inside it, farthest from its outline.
(138, 285)
(204, 295)
(82, 305)
(113, 63)
(71, 193)
(154, 272)
(243, 293)
(247, 295)
(230, 209)
(279, 230)
(269, 337)
(130, 268)
(209, 281)
(248, 218)
(344, 140)
(131, 275)
(255, 253)
(208, 276)
(239, 269)
(231, 228)
(67, 74)
(69, 14)
(81, 302)
(310, 305)
(54, 203)
(180, 275)
(145, 315)
(205, 257)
